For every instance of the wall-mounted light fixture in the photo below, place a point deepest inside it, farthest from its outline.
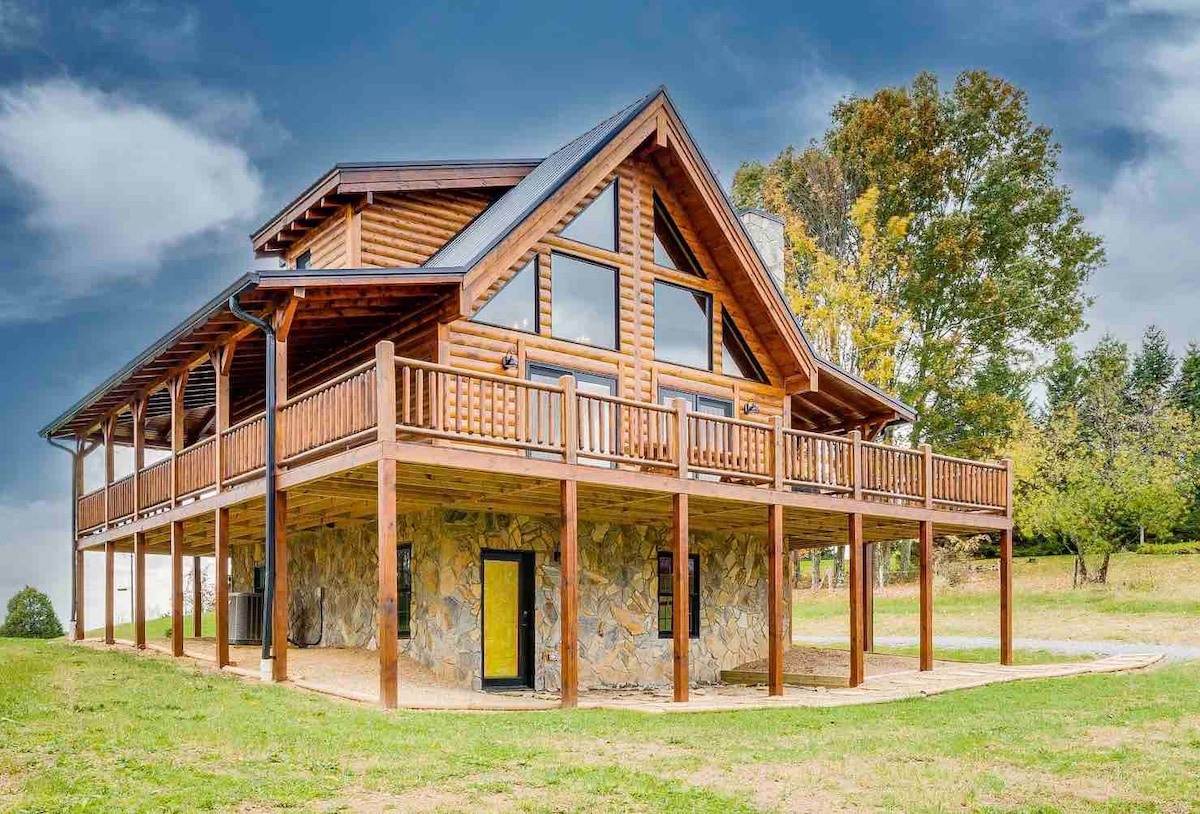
(750, 408)
(509, 362)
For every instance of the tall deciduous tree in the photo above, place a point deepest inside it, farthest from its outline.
(994, 255)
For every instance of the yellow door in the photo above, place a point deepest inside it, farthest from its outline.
(501, 609)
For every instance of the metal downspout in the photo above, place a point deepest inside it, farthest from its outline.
(269, 469)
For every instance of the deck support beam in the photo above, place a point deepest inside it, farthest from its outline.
(389, 645)
(680, 624)
(177, 587)
(925, 534)
(79, 582)
(569, 587)
(221, 583)
(110, 549)
(1006, 634)
(868, 636)
(775, 603)
(197, 599)
(279, 615)
(855, 539)
(139, 590)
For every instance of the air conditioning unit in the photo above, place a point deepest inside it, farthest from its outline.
(245, 618)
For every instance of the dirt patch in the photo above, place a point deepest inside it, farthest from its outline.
(826, 661)
(1116, 737)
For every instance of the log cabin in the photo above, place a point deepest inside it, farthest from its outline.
(500, 418)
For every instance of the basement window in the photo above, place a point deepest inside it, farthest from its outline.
(596, 225)
(404, 590)
(736, 357)
(515, 305)
(666, 595)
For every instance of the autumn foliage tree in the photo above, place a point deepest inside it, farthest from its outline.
(934, 251)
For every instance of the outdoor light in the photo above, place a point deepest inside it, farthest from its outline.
(749, 408)
(509, 362)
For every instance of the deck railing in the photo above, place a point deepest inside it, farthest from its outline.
(553, 420)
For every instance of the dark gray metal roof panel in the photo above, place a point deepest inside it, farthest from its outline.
(470, 245)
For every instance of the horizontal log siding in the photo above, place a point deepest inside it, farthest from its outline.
(481, 348)
(405, 229)
(327, 243)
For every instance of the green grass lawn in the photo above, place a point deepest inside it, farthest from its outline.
(1149, 599)
(160, 629)
(90, 730)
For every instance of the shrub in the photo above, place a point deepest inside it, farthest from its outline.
(31, 616)
(1190, 547)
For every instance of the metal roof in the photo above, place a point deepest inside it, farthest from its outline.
(470, 245)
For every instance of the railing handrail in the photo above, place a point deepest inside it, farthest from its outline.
(334, 382)
(634, 403)
(997, 465)
(195, 446)
(477, 374)
(916, 453)
(818, 436)
(259, 416)
(730, 420)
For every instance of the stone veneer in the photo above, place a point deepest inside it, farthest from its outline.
(618, 627)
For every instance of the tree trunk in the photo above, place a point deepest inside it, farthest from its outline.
(815, 556)
(1102, 574)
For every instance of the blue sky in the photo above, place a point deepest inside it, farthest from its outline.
(141, 141)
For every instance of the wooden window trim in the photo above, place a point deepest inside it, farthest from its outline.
(693, 595)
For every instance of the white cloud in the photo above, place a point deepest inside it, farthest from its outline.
(160, 32)
(18, 25)
(117, 184)
(1149, 214)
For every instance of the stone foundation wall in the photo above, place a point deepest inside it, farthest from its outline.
(618, 620)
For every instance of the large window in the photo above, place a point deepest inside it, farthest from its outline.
(682, 325)
(670, 249)
(710, 405)
(515, 305)
(584, 383)
(666, 595)
(404, 590)
(584, 301)
(596, 225)
(736, 357)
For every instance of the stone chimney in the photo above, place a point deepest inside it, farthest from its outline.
(766, 232)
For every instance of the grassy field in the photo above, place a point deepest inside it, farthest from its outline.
(87, 730)
(159, 630)
(1149, 599)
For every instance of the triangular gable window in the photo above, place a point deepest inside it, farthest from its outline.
(515, 305)
(596, 225)
(736, 358)
(670, 249)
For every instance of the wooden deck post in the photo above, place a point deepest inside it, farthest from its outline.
(680, 624)
(777, 454)
(569, 590)
(139, 590)
(110, 549)
(221, 358)
(279, 612)
(1006, 634)
(855, 538)
(177, 587)
(221, 583)
(775, 604)
(925, 534)
(79, 581)
(385, 382)
(388, 621)
(139, 460)
(856, 464)
(570, 420)
(197, 600)
(927, 475)
(109, 430)
(868, 637)
(681, 441)
(178, 430)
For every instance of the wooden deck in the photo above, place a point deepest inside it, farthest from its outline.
(523, 437)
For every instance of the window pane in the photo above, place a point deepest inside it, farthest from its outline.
(304, 260)
(736, 358)
(404, 590)
(670, 249)
(584, 301)
(584, 383)
(597, 224)
(682, 326)
(515, 305)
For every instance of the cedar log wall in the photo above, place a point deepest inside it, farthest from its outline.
(405, 229)
(481, 347)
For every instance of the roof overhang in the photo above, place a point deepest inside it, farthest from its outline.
(213, 324)
(349, 184)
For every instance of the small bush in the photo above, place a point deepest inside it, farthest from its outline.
(31, 616)
(1190, 547)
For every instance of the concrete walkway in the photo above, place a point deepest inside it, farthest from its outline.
(1072, 647)
(350, 674)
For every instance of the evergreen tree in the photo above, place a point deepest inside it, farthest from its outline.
(1153, 371)
(1063, 379)
(1187, 390)
(31, 616)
